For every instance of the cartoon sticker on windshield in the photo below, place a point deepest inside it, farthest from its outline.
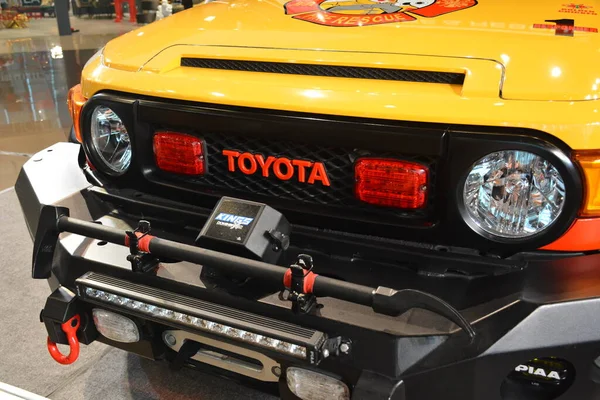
(370, 12)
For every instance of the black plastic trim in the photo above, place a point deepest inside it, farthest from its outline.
(336, 71)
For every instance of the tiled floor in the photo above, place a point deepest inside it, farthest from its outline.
(37, 68)
(47, 28)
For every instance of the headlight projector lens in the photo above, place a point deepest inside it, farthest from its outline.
(513, 194)
(110, 140)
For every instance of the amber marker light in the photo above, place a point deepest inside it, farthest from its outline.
(590, 164)
(75, 101)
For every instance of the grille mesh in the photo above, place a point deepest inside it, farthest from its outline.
(385, 74)
(338, 161)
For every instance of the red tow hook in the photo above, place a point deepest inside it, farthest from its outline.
(70, 329)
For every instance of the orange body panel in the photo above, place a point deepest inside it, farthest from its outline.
(584, 235)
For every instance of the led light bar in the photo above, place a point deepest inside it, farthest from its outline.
(171, 308)
(199, 323)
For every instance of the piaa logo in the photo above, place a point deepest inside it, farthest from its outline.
(370, 12)
(538, 372)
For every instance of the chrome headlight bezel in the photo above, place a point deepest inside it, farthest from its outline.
(124, 111)
(573, 192)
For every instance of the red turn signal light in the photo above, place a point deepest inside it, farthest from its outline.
(391, 183)
(179, 153)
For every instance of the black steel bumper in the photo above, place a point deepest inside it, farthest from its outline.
(415, 355)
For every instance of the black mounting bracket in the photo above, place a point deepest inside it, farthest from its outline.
(336, 347)
(302, 302)
(280, 240)
(46, 239)
(140, 261)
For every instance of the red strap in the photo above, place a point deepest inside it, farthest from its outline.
(287, 278)
(309, 280)
(143, 241)
(70, 328)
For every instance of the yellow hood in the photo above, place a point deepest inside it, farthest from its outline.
(541, 60)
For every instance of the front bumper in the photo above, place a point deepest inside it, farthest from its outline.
(416, 355)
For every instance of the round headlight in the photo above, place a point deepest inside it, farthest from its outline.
(110, 140)
(513, 194)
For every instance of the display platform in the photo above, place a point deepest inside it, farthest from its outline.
(101, 372)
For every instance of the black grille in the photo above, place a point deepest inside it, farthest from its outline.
(335, 71)
(338, 161)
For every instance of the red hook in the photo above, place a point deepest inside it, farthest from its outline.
(70, 328)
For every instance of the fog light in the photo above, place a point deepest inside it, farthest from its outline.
(179, 153)
(115, 327)
(310, 385)
(391, 183)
